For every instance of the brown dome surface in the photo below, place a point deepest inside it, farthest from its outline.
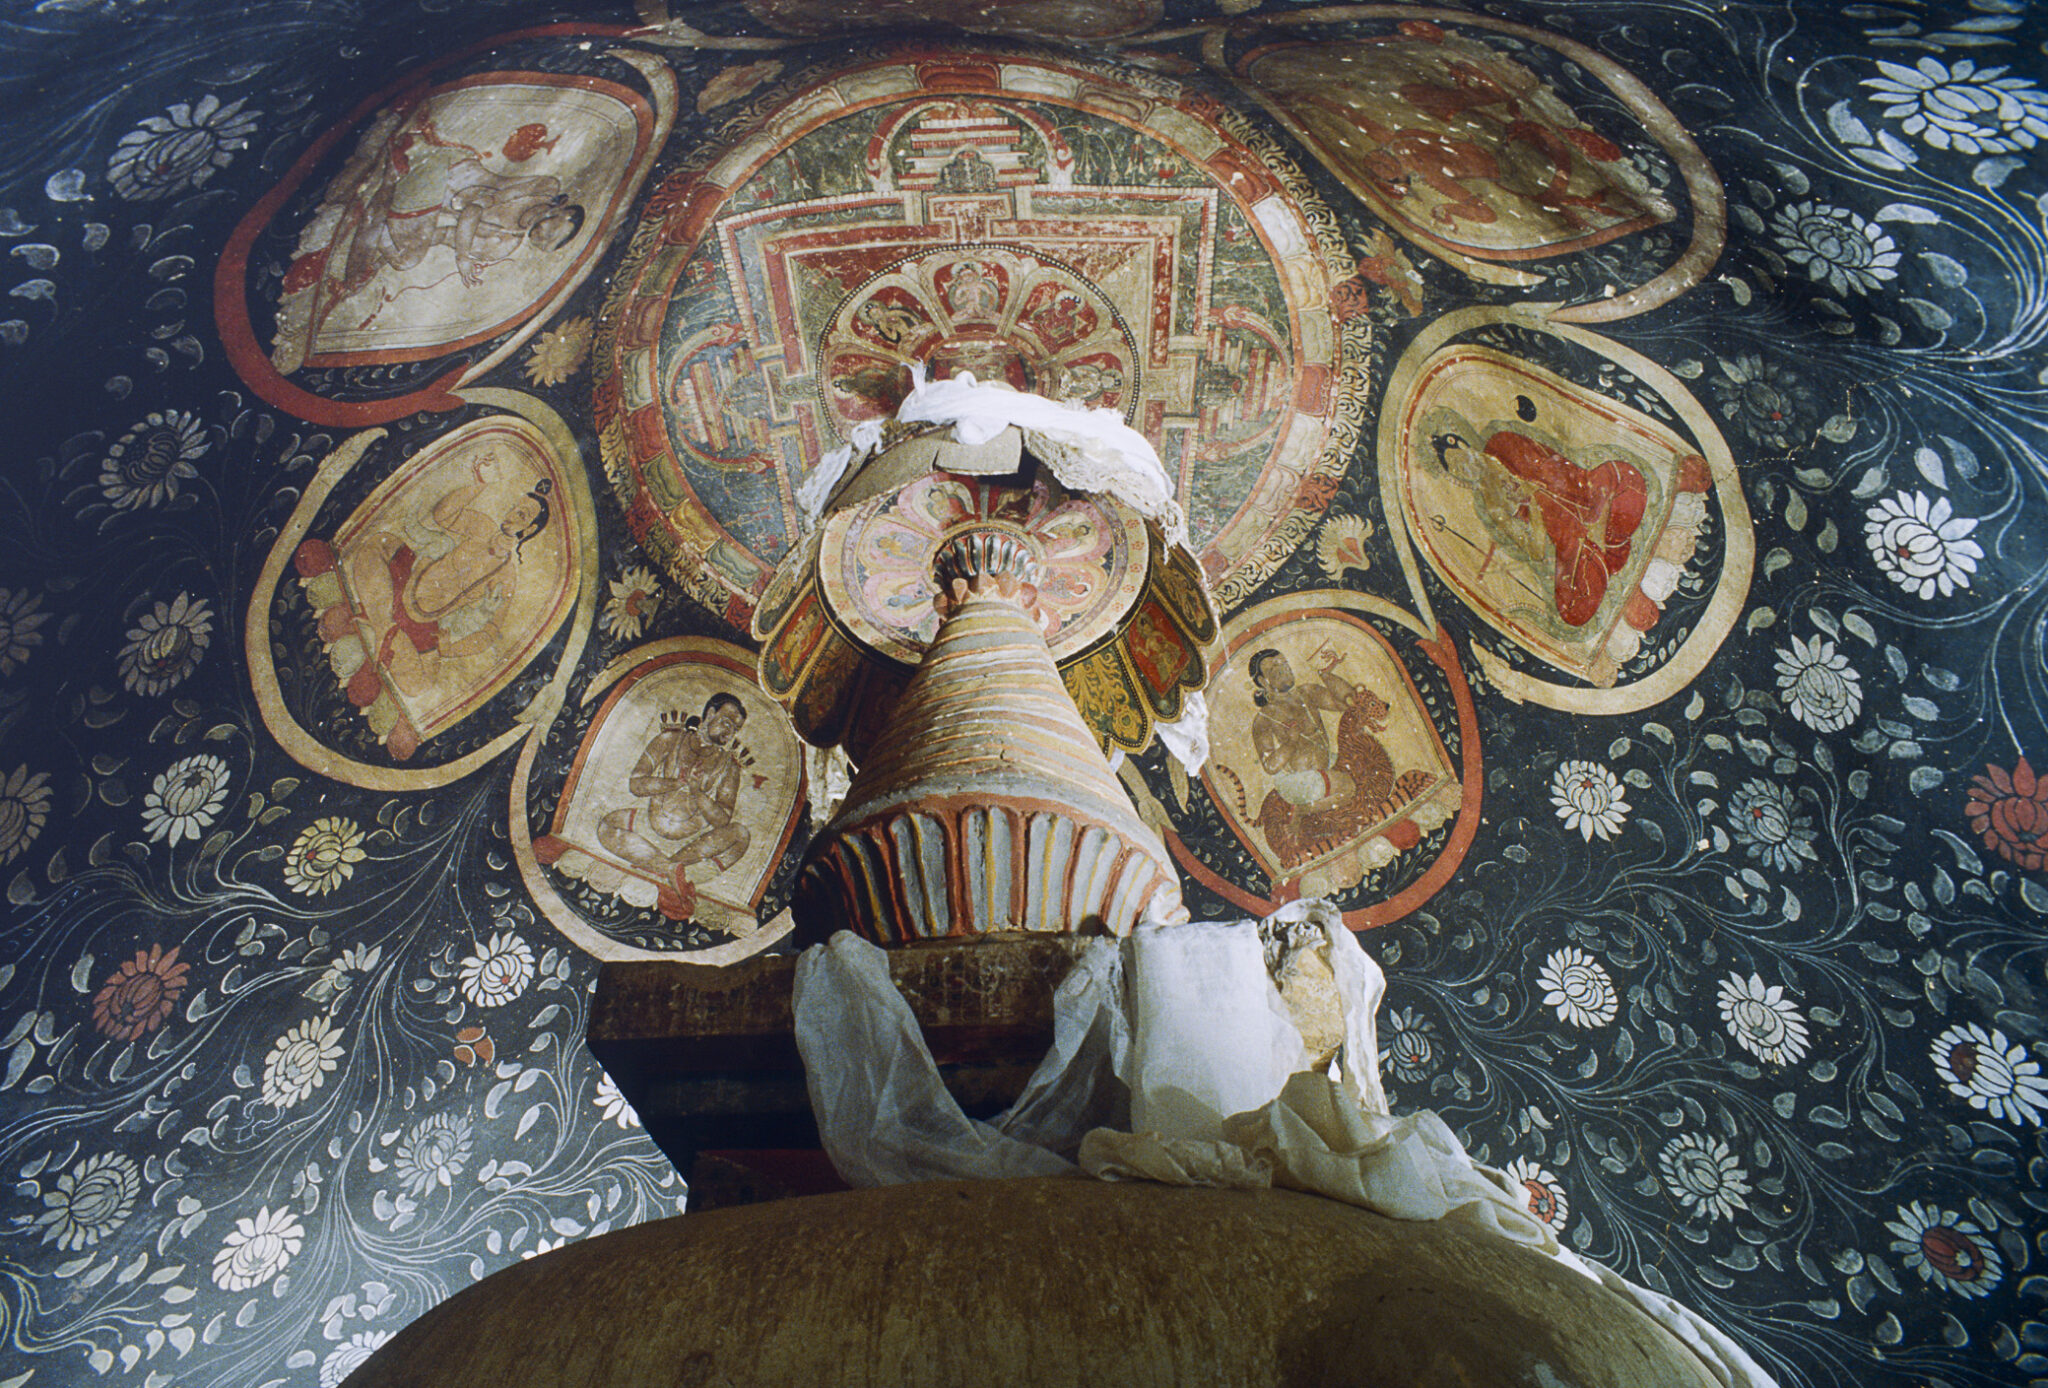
(1040, 1282)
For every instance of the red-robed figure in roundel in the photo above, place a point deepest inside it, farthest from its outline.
(1588, 517)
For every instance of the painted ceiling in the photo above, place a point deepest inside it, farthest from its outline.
(1611, 432)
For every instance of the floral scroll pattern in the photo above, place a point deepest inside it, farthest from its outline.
(1744, 990)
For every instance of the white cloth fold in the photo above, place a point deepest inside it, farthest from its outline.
(883, 1113)
(828, 775)
(1187, 737)
(1214, 1075)
(1210, 1035)
(1087, 450)
(815, 490)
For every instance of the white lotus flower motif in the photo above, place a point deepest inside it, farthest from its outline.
(184, 800)
(145, 467)
(180, 149)
(1995, 1076)
(612, 1103)
(636, 597)
(1946, 1249)
(24, 809)
(1588, 799)
(165, 644)
(1545, 1195)
(1762, 1019)
(497, 971)
(345, 1359)
(323, 856)
(300, 1062)
(1704, 1176)
(1922, 545)
(1766, 400)
(559, 353)
(434, 1153)
(1834, 244)
(1410, 1045)
(257, 1249)
(1818, 685)
(1962, 108)
(1341, 545)
(1765, 817)
(19, 619)
(1578, 986)
(90, 1201)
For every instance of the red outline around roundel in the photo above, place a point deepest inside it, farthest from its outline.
(230, 280)
(1466, 828)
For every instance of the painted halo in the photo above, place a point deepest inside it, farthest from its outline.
(394, 613)
(1120, 243)
(1572, 494)
(424, 238)
(1344, 760)
(663, 833)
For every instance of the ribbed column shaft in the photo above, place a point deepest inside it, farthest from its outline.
(985, 805)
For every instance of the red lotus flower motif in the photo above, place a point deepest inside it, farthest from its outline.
(2011, 812)
(137, 997)
(1955, 1254)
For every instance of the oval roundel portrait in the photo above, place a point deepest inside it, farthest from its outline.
(424, 239)
(416, 581)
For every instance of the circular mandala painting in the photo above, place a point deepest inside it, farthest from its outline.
(1122, 247)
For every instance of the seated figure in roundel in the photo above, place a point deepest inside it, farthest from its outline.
(689, 777)
(1321, 797)
(424, 612)
(408, 190)
(1581, 520)
(431, 596)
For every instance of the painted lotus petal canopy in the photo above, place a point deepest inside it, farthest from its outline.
(1605, 437)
